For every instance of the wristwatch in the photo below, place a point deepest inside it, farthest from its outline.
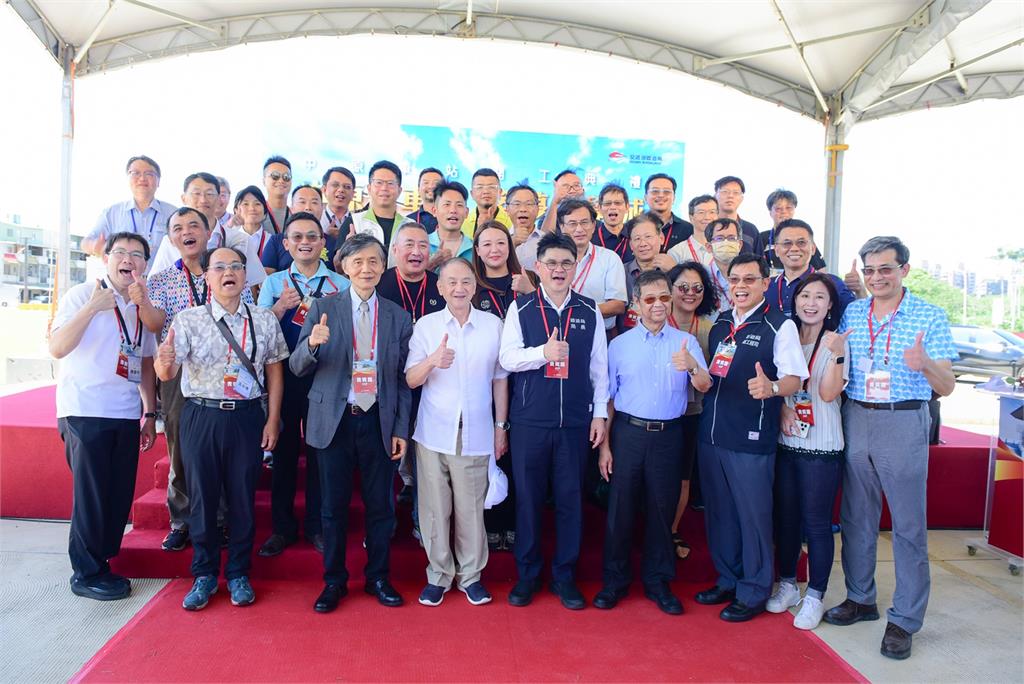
(775, 389)
(504, 425)
(840, 360)
(151, 414)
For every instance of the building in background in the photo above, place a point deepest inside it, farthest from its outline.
(30, 262)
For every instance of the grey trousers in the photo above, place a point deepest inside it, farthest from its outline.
(887, 453)
(450, 483)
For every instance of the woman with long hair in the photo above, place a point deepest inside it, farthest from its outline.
(499, 275)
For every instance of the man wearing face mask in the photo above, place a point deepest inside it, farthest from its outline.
(794, 245)
(724, 238)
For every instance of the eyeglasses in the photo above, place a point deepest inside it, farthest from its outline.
(787, 245)
(135, 175)
(650, 299)
(303, 237)
(491, 187)
(687, 288)
(613, 203)
(660, 192)
(705, 213)
(573, 225)
(121, 252)
(522, 205)
(730, 193)
(884, 271)
(277, 175)
(719, 239)
(746, 280)
(575, 187)
(198, 194)
(553, 265)
(347, 187)
(222, 268)
(381, 183)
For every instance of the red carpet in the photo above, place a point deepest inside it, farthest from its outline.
(280, 638)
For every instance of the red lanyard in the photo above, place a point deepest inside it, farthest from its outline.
(693, 252)
(810, 364)
(733, 329)
(544, 317)
(581, 279)
(668, 235)
(498, 306)
(623, 242)
(672, 321)
(779, 284)
(193, 294)
(421, 296)
(263, 239)
(888, 323)
(373, 335)
(273, 221)
(245, 330)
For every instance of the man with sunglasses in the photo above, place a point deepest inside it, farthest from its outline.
(757, 360)
(901, 351)
(649, 369)
(382, 218)
(277, 181)
(554, 344)
(229, 354)
(660, 195)
(794, 249)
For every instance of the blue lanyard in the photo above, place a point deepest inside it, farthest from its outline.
(135, 228)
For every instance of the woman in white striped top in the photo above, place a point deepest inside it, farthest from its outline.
(809, 460)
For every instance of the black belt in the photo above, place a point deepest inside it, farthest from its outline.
(650, 425)
(356, 411)
(224, 404)
(908, 405)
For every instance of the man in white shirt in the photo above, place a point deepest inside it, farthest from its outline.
(703, 210)
(453, 355)
(107, 365)
(599, 272)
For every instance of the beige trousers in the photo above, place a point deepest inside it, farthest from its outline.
(448, 483)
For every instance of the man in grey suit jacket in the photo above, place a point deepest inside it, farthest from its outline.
(356, 344)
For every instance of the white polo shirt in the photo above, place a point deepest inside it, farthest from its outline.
(87, 382)
(601, 276)
(463, 390)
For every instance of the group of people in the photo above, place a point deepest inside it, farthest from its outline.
(506, 345)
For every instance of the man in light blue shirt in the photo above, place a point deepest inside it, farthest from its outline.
(901, 350)
(143, 214)
(649, 370)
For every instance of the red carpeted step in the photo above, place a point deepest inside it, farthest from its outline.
(162, 470)
(149, 512)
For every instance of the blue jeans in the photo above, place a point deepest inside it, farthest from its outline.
(805, 491)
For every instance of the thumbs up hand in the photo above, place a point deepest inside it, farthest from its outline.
(290, 297)
(835, 342)
(915, 356)
(521, 282)
(137, 291)
(320, 333)
(759, 386)
(683, 360)
(555, 350)
(853, 281)
(165, 353)
(443, 357)
(102, 298)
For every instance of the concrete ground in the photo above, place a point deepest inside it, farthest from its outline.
(973, 631)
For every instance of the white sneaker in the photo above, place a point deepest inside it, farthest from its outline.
(810, 613)
(786, 596)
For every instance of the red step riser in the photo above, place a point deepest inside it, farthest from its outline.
(162, 470)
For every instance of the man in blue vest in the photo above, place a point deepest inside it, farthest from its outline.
(554, 343)
(757, 360)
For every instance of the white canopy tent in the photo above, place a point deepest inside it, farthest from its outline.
(837, 62)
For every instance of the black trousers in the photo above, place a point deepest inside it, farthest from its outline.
(646, 474)
(357, 444)
(103, 454)
(221, 451)
(294, 406)
(540, 456)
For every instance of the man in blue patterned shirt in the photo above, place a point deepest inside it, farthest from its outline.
(901, 350)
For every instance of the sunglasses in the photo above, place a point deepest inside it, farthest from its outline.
(686, 288)
(650, 299)
(277, 175)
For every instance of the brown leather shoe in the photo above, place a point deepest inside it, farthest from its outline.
(849, 612)
(896, 642)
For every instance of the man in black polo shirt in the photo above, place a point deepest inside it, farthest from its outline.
(660, 194)
(428, 180)
(781, 207)
(613, 202)
(757, 360)
(729, 191)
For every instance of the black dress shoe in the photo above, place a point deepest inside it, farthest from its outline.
(119, 580)
(896, 642)
(522, 594)
(317, 540)
(100, 589)
(715, 595)
(664, 599)
(608, 598)
(275, 544)
(176, 540)
(384, 592)
(569, 595)
(329, 598)
(849, 612)
(740, 612)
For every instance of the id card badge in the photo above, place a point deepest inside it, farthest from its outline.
(802, 429)
(632, 318)
(723, 359)
(299, 317)
(129, 364)
(864, 365)
(238, 383)
(364, 377)
(878, 387)
(803, 407)
(557, 370)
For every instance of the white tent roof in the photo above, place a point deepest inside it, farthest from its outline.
(838, 61)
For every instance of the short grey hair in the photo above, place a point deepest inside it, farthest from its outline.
(407, 226)
(451, 262)
(881, 243)
(358, 243)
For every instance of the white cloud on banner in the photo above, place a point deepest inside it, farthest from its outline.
(576, 158)
(474, 149)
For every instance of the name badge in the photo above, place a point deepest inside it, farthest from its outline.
(129, 364)
(364, 377)
(878, 387)
(557, 370)
(723, 359)
(864, 364)
(803, 407)
(238, 383)
(632, 318)
(802, 429)
(299, 317)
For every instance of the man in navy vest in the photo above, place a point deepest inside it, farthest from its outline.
(757, 360)
(555, 345)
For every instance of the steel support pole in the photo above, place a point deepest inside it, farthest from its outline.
(835, 148)
(67, 105)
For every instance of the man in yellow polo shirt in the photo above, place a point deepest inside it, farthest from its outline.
(486, 192)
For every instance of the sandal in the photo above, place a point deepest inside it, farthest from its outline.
(682, 548)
